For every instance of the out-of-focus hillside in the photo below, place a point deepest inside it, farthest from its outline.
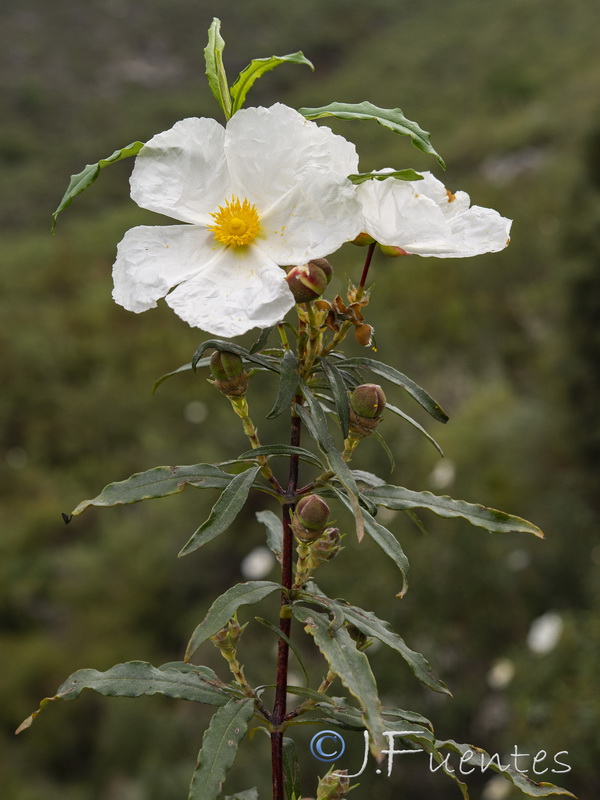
(508, 343)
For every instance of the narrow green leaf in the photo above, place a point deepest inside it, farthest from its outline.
(416, 392)
(288, 641)
(370, 625)
(262, 340)
(314, 595)
(416, 425)
(340, 394)
(291, 770)
(400, 499)
(203, 362)
(231, 347)
(317, 425)
(391, 118)
(400, 175)
(224, 511)
(390, 546)
(386, 449)
(367, 477)
(219, 748)
(225, 606)
(288, 385)
(351, 718)
(249, 794)
(136, 678)
(84, 179)
(282, 450)
(481, 760)
(274, 528)
(157, 482)
(352, 667)
(215, 70)
(255, 69)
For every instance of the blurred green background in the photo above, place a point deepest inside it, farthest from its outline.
(508, 343)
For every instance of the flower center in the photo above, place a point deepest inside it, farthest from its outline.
(236, 223)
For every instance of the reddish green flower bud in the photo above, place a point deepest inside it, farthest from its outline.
(229, 374)
(334, 785)
(363, 239)
(325, 548)
(367, 403)
(310, 517)
(228, 637)
(309, 281)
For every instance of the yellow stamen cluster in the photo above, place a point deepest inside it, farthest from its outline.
(236, 223)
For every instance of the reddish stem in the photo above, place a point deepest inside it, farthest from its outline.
(365, 272)
(279, 709)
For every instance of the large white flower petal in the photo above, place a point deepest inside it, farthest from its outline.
(425, 219)
(151, 260)
(270, 150)
(182, 172)
(241, 289)
(311, 221)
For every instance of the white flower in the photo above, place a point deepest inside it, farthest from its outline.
(424, 218)
(269, 189)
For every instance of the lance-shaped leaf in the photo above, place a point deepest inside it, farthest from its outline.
(255, 69)
(390, 546)
(416, 392)
(219, 748)
(272, 627)
(482, 761)
(370, 625)
(225, 606)
(416, 425)
(340, 394)
(351, 719)
(282, 450)
(400, 175)
(224, 511)
(291, 770)
(249, 794)
(352, 667)
(82, 180)
(136, 678)
(386, 449)
(317, 426)
(274, 528)
(157, 482)
(215, 70)
(288, 385)
(231, 347)
(391, 118)
(203, 362)
(400, 499)
(263, 338)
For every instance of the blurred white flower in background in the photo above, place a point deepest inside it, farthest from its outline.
(257, 564)
(545, 632)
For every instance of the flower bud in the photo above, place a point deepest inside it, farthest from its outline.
(309, 281)
(228, 372)
(325, 547)
(392, 250)
(310, 518)
(363, 239)
(367, 403)
(334, 785)
(227, 639)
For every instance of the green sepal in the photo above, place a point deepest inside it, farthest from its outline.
(391, 118)
(256, 69)
(225, 606)
(137, 678)
(219, 748)
(84, 179)
(224, 511)
(400, 499)
(400, 175)
(231, 347)
(215, 70)
(157, 482)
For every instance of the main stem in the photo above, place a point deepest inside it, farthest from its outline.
(279, 709)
